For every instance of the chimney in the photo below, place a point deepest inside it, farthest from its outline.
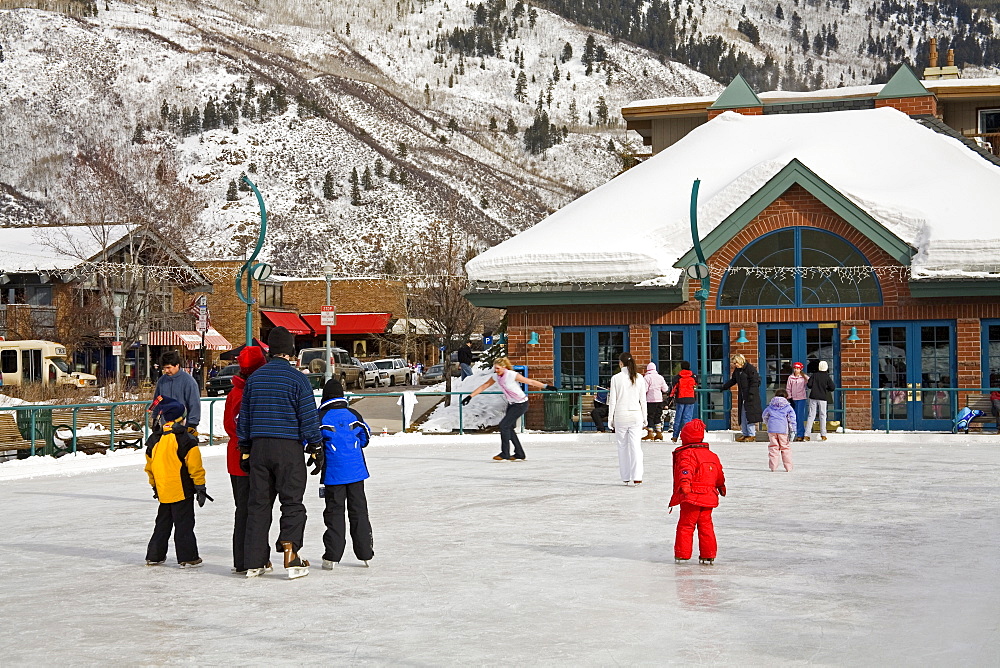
(951, 57)
(950, 71)
(933, 55)
(932, 71)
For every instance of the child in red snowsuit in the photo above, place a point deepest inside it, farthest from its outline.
(698, 482)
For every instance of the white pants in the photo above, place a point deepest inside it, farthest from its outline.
(816, 407)
(630, 451)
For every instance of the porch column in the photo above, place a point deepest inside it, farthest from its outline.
(856, 371)
(640, 345)
(968, 345)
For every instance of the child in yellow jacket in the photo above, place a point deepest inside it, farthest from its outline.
(173, 463)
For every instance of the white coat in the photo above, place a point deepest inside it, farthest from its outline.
(627, 401)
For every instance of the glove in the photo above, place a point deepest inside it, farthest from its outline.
(200, 494)
(245, 462)
(551, 388)
(155, 495)
(721, 489)
(193, 431)
(317, 457)
(685, 488)
(466, 400)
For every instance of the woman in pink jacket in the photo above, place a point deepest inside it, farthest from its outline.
(798, 397)
(655, 387)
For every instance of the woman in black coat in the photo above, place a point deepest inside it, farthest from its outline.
(747, 380)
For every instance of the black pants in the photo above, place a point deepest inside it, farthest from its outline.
(277, 469)
(178, 517)
(335, 540)
(508, 434)
(241, 495)
(654, 414)
(600, 416)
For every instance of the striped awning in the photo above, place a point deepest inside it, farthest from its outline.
(190, 340)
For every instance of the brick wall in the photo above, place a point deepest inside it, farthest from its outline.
(746, 111)
(923, 105)
(348, 295)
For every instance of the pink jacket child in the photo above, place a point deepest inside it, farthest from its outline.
(698, 482)
(780, 419)
(656, 385)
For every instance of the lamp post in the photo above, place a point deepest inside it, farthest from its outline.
(117, 311)
(700, 271)
(328, 270)
(251, 271)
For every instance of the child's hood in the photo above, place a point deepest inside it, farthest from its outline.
(778, 403)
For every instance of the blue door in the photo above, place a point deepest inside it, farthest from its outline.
(781, 345)
(909, 359)
(672, 344)
(588, 356)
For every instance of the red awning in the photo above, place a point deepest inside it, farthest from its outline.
(351, 323)
(290, 321)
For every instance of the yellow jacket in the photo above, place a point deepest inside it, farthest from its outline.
(173, 463)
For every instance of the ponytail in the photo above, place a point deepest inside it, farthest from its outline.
(627, 359)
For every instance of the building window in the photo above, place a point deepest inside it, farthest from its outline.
(272, 295)
(588, 356)
(991, 353)
(744, 286)
(8, 361)
(989, 120)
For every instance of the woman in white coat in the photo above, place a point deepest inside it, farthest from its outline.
(627, 410)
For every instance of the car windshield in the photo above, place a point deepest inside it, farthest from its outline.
(435, 369)
(230, 370)
(386, 364)
(60, 364)
(310, 355)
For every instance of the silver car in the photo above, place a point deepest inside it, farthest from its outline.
(374, 376)
(396, 369)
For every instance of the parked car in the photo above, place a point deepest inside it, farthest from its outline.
(223, 381)
(433, 375)
(374, 376)
(398, 372)
(349, 373)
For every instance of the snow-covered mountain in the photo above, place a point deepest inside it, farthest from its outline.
(379, 86)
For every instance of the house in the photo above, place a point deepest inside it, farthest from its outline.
(864, 234)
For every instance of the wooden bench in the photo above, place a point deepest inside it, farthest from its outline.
(581, 410)
(11, 438)
(980, 402)
(91, 443)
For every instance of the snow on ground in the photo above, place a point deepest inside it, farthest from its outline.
(869, 553)
(485, 410)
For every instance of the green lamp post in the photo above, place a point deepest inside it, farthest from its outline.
(251, 270)
(699, 271)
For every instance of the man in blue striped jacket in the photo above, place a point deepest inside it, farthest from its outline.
(277, 417)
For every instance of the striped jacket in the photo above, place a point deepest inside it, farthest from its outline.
(278, 403)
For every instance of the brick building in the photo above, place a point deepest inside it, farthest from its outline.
(852, 226)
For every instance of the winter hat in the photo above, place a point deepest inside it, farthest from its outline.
(797, 365)
(333, 390)
(169, 409)
(281, 342)
(650, 367)
(823, 366)
(251, 358)
(693, 432)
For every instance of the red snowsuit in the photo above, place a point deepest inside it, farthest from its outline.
(698, 482)
(233, 400)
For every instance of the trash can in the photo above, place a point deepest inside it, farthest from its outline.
(316, 380)
(44, 430)
(558, 414)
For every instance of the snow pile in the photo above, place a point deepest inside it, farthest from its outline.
(485, 410)
(876, 158)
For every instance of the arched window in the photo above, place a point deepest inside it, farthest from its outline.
(798, 247)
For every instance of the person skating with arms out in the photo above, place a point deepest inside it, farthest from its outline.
(779, 417)
(345, 434)
(698, 483)
(173, 464)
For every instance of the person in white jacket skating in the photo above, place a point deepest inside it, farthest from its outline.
(627, 410)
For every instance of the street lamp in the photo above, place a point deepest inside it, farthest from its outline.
(250, 271)
(328, 270)
(700, 272)
(117, 311)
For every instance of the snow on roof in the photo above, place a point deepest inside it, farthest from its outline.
(31, 249)
(930, 190)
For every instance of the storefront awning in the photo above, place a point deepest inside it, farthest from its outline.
(351, 323)
(190, 340)
(290, 321)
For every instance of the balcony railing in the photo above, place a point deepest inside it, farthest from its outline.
(987, 140)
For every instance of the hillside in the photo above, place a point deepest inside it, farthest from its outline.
(299, 95)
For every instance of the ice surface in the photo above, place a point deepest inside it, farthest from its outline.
(870, 553)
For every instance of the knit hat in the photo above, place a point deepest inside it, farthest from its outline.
(333, 390)
(650, 367)
(168, 409)
(251, 358)
(797, 365)
(281, 342)
(823, 366)
(693, 432)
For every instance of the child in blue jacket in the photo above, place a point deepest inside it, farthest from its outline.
(780, 419)
(345, 433)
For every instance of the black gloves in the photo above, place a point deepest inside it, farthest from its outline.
(721, 489)
(551, 388)
(245, 462)
(200, 494)
(466, 400)
(155, 495)
(317, 457)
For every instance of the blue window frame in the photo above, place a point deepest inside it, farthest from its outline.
(673, 343)
(588, 356)
(991, 353)
(801, 247)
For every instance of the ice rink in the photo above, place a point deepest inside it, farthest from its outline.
(870, 553)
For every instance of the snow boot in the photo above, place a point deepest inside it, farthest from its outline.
(658, 436)
(799, 439)
(296, 566)
(823, 438)
(706, 562)
(649, 435)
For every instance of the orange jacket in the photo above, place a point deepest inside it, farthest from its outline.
(173, 463)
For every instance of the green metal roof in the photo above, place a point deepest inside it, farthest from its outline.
(797, 173)
(904, 83)
(737, 95)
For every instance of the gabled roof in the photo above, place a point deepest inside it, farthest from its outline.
(904, 83)
(737, 95)
(926, 191)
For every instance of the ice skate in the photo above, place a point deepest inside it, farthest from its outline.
(367, 565)
(150, 562)
(799, 439)
(658, 436)
(678, 560)
(706, 562)
(648, 436)
(256, 572)
(296, 566)
(191, 564)
(822, 438)
(328, 565)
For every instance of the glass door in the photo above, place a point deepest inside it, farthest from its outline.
(673, 344)
(809, 343)
(910, 359)
(588, 356)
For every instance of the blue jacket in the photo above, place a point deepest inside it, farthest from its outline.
(344, 434)
(278, 403)
(182, 387)
(779, 416)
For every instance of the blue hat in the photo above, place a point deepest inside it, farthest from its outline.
(169, 409)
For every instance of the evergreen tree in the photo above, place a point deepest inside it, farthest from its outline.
(252, 168)
(164, 112)
(402, 150)
(243, 185)
(403, 178)
(329, 187)
(366, 179)
(156, 12)
(567, 53)
(532, 17)
(280, 99)
(484, 203)
(602, 111)
(379, 168)
(588, 52)
(251, 90)
(779, 13)
(210, 119)
(511, 127)
(1, 53)
(493, 123)
(521, 88)
(355, 194)
(139, 136)
(392, 174)
(611, 146)
(354, 176)
(453, 125)
(232, 195)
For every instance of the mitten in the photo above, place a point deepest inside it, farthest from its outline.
(685, 488)
(201, 495)
(245, 462)
(466, 400)
(317, 457)
(155, 495)
(721, 489)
